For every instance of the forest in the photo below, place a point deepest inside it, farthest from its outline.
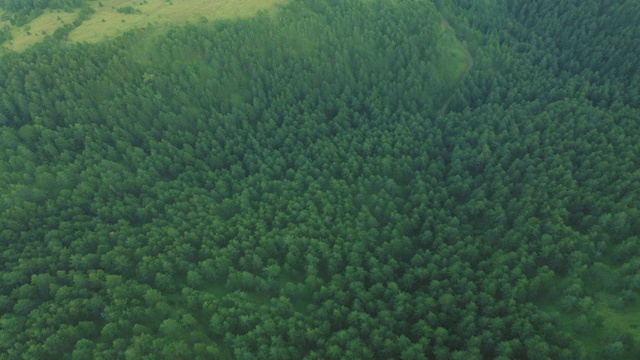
(334, 180)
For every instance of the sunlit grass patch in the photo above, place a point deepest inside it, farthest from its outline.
(37, 29)
(108, 22)
(114, 17)
(451, 61)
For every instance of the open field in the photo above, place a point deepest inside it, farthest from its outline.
(108, 22)
(37, 29)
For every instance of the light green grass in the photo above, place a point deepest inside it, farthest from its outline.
(614, 323)
(452, 61)
(615, 320)
(37, 29)
(107, 22)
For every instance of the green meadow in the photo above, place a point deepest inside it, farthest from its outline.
(114, 17)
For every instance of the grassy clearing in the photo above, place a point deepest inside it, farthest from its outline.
(617, 321)
(614, 323)
(38, 28)
(452, 61)
(107, 22)
(603, 324)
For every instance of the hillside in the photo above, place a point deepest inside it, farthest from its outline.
(324, 180)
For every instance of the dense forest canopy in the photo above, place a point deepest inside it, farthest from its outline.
(294, 186)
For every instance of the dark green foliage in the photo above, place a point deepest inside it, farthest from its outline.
(128, 10)
(287, 188)
(5, 34)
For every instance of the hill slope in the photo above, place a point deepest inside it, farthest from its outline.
(286, 186)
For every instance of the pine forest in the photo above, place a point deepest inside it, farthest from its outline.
(323, 179)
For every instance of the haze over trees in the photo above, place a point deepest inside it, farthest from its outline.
(287, 186)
